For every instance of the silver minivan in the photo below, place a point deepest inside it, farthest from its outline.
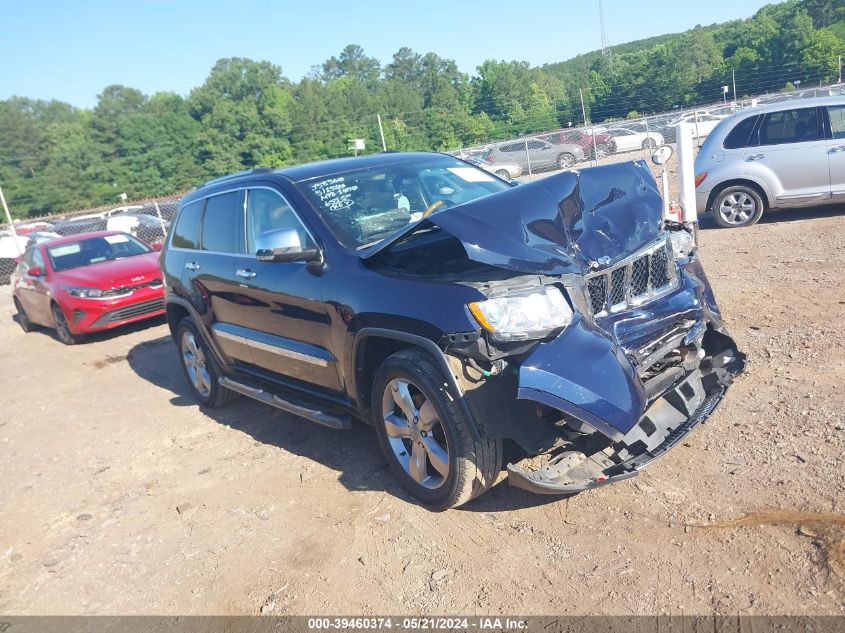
(788, 154)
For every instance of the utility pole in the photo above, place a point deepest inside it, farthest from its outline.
(11, 224)
(840, 69)
(381, 131)
(733, 75)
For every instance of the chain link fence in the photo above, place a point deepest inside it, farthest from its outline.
(622, 135)
(546, 152)
(148, 220)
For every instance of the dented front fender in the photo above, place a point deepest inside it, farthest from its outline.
(584, 374)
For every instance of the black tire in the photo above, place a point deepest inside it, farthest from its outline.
(504, 174)
(649, 143)
(566, 160)
(189, 340)
(737, 206)
(63, 328)
(23, 319)
(472, 466)
(601, 151)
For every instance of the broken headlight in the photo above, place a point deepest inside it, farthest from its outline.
(682, 244)
(523, 315)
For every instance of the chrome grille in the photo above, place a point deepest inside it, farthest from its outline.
(636, 280)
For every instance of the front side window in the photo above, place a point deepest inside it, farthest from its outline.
(37, 258)
(364, 206)
(837, 121)
(789, 126)
(187, 231)
(221, 221)
(267, 210)
(94, 250)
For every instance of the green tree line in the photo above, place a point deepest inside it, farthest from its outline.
(54, 157)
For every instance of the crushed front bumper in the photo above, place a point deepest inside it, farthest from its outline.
(631, 445)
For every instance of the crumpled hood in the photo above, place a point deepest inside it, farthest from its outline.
(559, 224)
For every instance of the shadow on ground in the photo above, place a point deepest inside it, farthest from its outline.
(103, 335)
(354, 454)
(775, 216)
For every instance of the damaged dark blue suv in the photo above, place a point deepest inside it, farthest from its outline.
(563, 320)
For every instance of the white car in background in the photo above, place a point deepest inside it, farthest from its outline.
(628, 140)
(702, 122)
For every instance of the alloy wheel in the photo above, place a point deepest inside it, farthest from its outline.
(415, 433)
(737, 208)
(194, 360)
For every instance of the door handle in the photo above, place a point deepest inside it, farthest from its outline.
(755, 157)
(834, 150)
(192, 266)
(244, 273)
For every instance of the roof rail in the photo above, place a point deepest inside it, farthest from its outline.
(246, 172)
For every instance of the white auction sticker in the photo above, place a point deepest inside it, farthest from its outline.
(115, 239)
(471, 174)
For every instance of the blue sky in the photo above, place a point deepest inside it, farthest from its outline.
(55, 49)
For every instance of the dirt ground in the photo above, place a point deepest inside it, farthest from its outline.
(118, 494)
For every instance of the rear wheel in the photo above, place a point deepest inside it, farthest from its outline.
(649, 143)
(63, 330)
(201, 370)
(737, 206)
(425, 437)
(23, 319)
(565, 160)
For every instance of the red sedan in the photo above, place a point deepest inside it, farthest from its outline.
(86, 283)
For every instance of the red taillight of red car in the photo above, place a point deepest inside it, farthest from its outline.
(700, 178)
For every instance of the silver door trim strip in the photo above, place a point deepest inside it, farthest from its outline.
(281, 351)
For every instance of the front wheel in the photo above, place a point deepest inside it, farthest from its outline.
(565, 160)
(737, 206)
(201, 370)
(504, 174)
(426, 439)
(63, 330)
(602, 151)
(649, 143)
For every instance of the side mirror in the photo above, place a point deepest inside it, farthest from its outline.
(661, 154)
(283, 245)
(35, 271)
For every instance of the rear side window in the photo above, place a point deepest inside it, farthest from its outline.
(187, 231)
(738, 137)
(223, 215)
(789, 126)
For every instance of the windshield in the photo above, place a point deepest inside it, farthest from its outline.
(94, 250)
(365, 206)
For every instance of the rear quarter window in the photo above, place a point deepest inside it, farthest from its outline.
(741, 133)
(187, 231)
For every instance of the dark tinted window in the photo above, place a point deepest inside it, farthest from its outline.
(187, 231)
(223, 213)
(268, 211)
(510, 148)
(535, 145)
(789, 126)
(738, 136)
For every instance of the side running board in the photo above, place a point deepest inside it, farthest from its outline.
(320, 417)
